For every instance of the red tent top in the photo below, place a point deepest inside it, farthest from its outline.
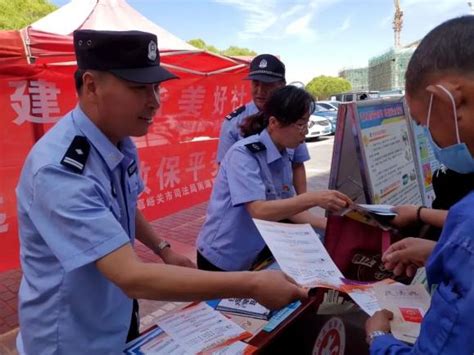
(49, 40)
(12, 50)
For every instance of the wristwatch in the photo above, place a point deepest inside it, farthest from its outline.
(372, 335)
(162, 245)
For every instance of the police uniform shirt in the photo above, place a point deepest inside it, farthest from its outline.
(230, 133)
(77, 203)
(252, 170)
(447, 327)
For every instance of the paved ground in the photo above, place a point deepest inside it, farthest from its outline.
(180, 228)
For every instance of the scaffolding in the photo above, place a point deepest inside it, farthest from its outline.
(387, 71)
(358, 77)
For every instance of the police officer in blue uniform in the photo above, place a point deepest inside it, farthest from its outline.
(439, 93)
(255, 181)
(78, 217)
(267, 73)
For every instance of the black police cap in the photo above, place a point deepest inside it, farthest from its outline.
(266, 68)
(130, 55)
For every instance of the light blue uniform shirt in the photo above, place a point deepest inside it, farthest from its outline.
(230, 133)
(229, 239)
(448, 326)
(67, 221)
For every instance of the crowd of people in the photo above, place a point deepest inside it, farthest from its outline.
(81, 276)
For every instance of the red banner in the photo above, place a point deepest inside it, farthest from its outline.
(177, 156)
(175, 179)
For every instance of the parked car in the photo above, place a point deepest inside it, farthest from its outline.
(330, 115)
(318, 126)
(331, 103)
(356, 96)
(327, 105)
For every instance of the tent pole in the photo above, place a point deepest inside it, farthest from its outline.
(26, 44)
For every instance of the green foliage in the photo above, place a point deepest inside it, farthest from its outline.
(231, 51)
(16, 14)
(199, 43)
(322, 87)
(238, 51)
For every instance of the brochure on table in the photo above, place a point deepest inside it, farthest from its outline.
(157, 341)
(197, 329)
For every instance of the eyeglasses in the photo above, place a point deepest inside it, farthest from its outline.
(302, 126)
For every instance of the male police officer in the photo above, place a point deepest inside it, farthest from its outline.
(78, 219)
(267, 73)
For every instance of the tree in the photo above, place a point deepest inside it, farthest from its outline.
(238, 51)
(231, 51)
(16, 14)
(199, 43)
(322, 87)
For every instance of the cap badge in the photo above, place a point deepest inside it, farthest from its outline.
(152, 51)
(263, 63)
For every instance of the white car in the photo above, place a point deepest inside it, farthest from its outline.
(318, 126)
(329, 105)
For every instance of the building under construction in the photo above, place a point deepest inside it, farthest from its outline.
(386, 72)
(359, 78)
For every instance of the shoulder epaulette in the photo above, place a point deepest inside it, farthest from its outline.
(256, 147)
(77, 154)
(132, 168)
(235, 113)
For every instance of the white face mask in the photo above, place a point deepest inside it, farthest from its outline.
(456, 157)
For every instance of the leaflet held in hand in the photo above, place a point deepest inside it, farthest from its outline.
(409, 304)
(300, 253)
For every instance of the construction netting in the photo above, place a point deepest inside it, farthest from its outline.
(358, 77)
(387, 71)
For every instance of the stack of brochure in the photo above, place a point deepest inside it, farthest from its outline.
(246, 307)
(197, 329)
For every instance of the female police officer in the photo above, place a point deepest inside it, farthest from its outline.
(255, 181)
(267, 74)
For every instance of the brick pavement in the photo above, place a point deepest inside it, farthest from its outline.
(9, 282)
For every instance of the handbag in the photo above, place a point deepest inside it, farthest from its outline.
(357, 248)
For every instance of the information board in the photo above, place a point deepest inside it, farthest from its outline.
(375, 157)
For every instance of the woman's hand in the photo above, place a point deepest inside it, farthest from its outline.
(330, 200)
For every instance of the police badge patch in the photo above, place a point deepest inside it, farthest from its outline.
(152, 51)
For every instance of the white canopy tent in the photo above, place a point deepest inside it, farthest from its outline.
(112, 15)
